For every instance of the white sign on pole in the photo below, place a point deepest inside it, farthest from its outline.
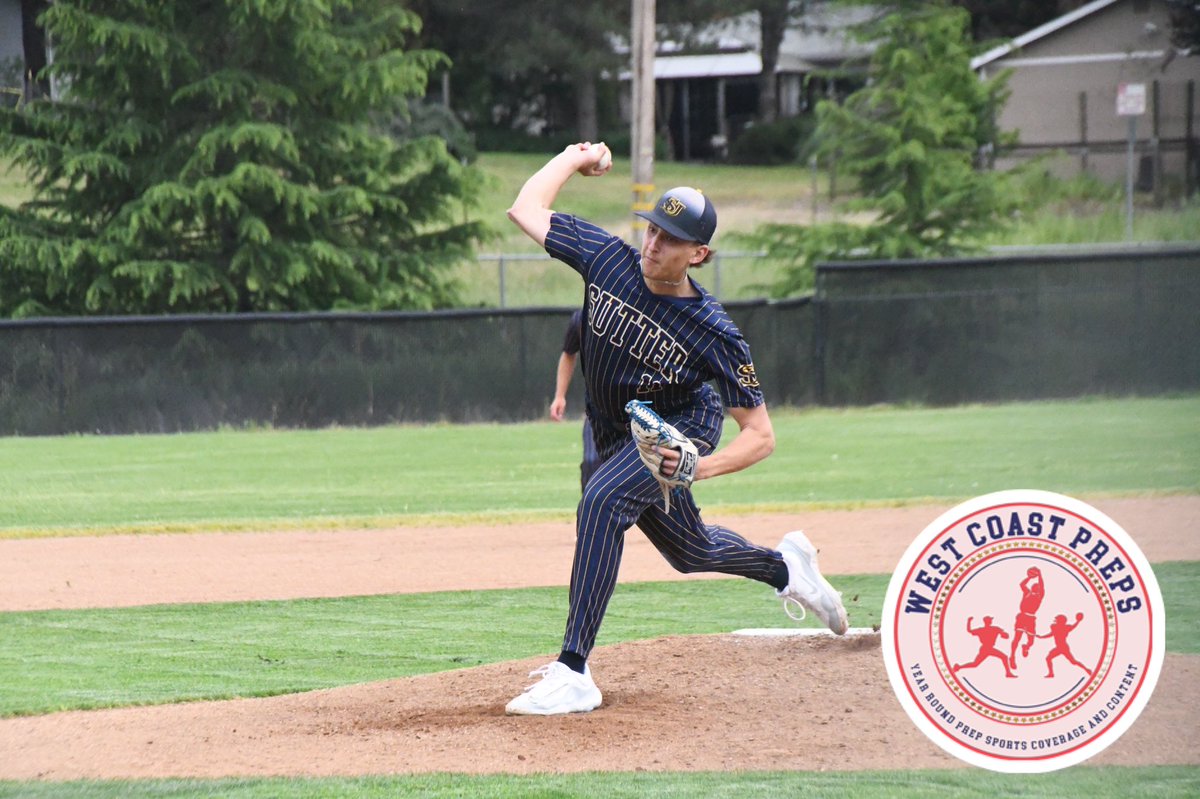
(1131, 104)
(1131, 99)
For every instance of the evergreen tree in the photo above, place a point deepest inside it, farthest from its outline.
(219, 155)
(917, 139)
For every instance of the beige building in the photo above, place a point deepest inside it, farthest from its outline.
(1067, 78)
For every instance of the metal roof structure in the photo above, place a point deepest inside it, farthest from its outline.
(732, 47)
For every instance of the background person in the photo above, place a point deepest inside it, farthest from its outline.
(562, 382)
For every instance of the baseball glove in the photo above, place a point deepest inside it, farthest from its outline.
(650, 430)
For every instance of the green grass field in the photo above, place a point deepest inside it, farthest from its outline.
(13, 187)
(360, 477)
(243, 479)
(748, 196)
(60, 660)
(1082, 781)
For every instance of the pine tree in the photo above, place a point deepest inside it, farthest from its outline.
(915, 134)
(221, 156)
(916, 138)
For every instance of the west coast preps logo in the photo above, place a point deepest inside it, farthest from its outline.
(1023, 631)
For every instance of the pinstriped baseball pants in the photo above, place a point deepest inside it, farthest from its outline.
(591, 456)
(619, 494)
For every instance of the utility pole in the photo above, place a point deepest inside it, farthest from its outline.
(641, 51)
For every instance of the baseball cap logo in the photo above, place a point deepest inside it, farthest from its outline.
(1023, 631)
(673, 207)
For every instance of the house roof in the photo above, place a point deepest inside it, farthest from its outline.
(726, 65)
(1040, 32)
(733, 46)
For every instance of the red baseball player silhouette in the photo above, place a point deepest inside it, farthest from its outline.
(987, 635)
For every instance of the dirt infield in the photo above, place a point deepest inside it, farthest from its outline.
(682, 703)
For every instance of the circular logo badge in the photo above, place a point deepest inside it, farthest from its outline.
(1023, 631)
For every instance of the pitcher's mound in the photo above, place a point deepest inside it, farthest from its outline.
(722, 702)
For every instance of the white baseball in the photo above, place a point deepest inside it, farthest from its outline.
(606, 159)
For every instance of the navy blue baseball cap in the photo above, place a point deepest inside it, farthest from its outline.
(685, 213)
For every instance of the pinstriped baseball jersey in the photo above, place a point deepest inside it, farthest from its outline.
(639, 345)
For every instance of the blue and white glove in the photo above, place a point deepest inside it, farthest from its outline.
(649, 430)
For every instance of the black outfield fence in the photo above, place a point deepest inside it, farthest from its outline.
(1022, 327)
(934, 332)
(287, 370)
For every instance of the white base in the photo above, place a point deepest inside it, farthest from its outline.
(806, 632)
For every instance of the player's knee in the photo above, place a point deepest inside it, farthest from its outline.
(680, 565)
(700, 556)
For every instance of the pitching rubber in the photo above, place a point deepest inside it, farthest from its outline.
(805, 632)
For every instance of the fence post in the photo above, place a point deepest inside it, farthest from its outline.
(501, 270)
(1083, 132)
(812, 162)
(1156, 144)
(820, 310)
(1189, 144)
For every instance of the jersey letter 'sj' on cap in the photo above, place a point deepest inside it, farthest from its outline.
(685, 213)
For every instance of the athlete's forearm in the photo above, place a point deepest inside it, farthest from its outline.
(754, 442)
(747, 448)
(562, 378)
(533, 207)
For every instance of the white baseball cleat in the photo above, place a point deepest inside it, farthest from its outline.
(806, 587)
(560, 690)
